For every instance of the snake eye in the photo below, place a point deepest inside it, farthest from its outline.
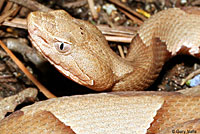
(62, 47)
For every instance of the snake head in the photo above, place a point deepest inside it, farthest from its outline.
(69, 44)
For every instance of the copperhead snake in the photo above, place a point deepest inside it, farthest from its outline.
(79, 51)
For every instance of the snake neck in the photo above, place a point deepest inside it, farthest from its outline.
(137, 71)
(146, 63)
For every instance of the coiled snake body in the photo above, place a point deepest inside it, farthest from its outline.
(79, 50)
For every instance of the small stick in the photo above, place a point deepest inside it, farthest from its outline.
(7, 14)
(32, 4)
(118, 3)
(120, 51)
(120, 33)
(17, 9)
(190, 76)
(7, 7)
(47, 93)
(15, 22)
(1, 3)
(134, 19)
(74, 4)
(127, 31)
(119, 39)
(92, 9)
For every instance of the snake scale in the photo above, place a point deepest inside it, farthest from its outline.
(79, 51)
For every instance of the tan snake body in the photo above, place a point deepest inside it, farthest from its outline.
(118, 112)
(78, 50)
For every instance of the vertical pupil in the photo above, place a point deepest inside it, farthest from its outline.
(61, 46)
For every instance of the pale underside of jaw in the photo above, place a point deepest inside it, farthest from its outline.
(76, 78)
(77, 75)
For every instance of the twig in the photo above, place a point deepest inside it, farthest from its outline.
(28, 74)
(9, 86)
(9, 104)
(17, 10)
(107, 19)
(7, 14)
(195, 3)
(1, 3)
(2, 67)
(33, 5)
(3, 79)
(117, 34)
(20, 45)
(7, 7)
(118, 39)
(74, 4)
(16, 22)
(136, 20)
(118, 3)
(119, 30)
(120, 51)
(126, 31)
(92, 9)
(190, 76)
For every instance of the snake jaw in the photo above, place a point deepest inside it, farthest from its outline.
(76, 75)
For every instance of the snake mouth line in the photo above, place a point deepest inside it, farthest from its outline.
(76, 78)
